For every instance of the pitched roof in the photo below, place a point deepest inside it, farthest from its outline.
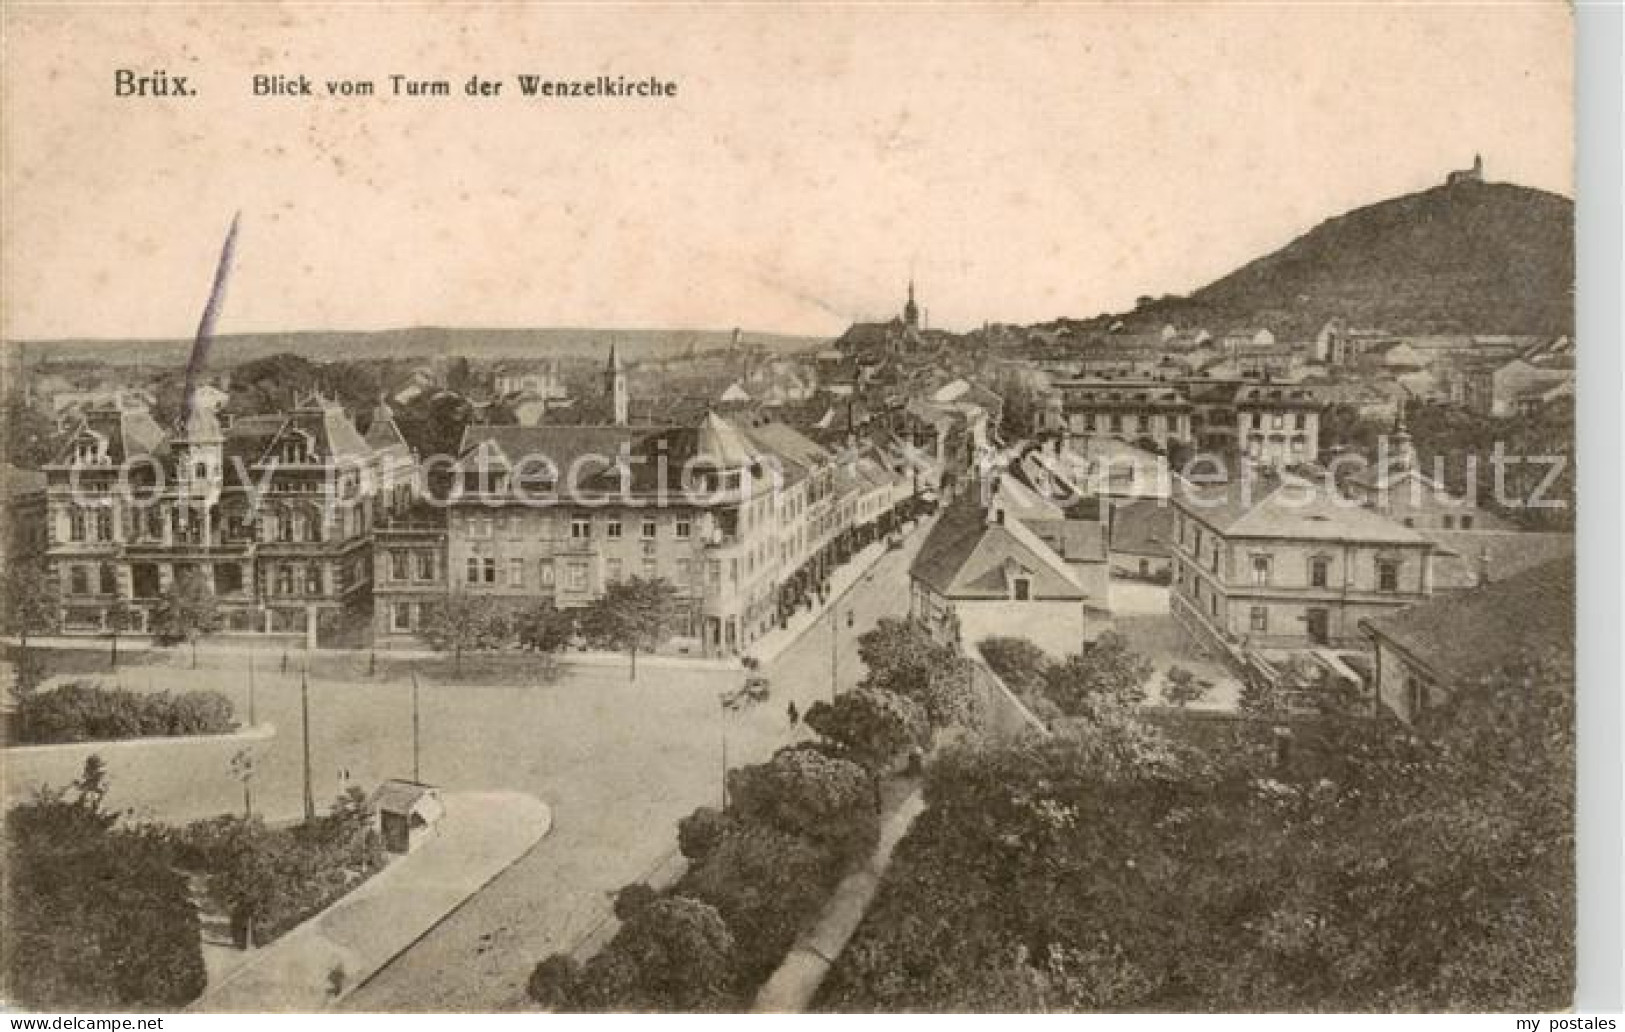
(1463, 554)
(964, 556)
(1464, 636)
(1142, 527)
(1076, 541)
(1258, 505)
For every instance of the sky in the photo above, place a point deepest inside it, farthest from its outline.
(1020, 162)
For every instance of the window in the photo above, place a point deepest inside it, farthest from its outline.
(1319, 570)
(612, 529)
(109, 578)
(1409, 522)
(401, 616)
(79, 581)
(1258, 420)
(714, 568)
(1261, 570)
(488, 569)
(580, 527)
(1258, 619)
(516, 527)
(1021, 589)
(1299, 421)
(1449, 521)
(76, 525)
(473, 569)
(1142, 424)
(683, 529)
(649, 529)
(544, 573)
(284, 579)
(104, 525)
(1466, 523)
(1277, 422)
(1089, 421)
(612, 570)
(516, 573)
(1116, 424)
(399, 566)
(1387, 575)
(576, 576)
(1416, 695)
(426, 566)
(313, 579)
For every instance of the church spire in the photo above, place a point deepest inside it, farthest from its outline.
(615, 385)
(911, 311)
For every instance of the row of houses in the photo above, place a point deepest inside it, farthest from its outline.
(300, 524)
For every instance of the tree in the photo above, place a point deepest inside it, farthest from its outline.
(545, 627)
(96, 917)
(802, 791)
(700, 831)
(1018, 662)
(119, 616)
(27, 607)
(872, 727)
(553, 981)
(675, 954)
(1106, 673)
(186, 612)
(1180, 687)
(635, 615)
(29, 438)
(459, 623)
(768, 885)
(902, 657)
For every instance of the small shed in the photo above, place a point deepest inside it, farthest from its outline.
(408, 813)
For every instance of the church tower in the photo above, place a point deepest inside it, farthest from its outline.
(911, 311)
(615, 386)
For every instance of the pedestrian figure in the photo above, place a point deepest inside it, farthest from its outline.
(795, 715)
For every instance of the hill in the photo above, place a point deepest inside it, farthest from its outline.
(1467, 257)
(415, 342)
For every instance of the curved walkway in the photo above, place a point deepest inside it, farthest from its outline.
(317, 964)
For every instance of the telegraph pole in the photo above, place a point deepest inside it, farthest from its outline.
(304, 714)
(251, 720)
(834, 654)
(415, 725)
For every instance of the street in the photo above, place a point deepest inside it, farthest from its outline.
(620, 765)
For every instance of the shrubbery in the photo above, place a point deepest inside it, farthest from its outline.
(83, 712)
(96, 918)
(271, 879)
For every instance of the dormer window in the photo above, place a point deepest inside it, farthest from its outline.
(296, 448)
(1021, 588)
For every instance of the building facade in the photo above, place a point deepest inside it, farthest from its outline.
(1269, 563)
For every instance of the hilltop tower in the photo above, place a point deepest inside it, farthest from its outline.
(615, 386)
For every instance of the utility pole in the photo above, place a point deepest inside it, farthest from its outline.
(834, 653)
(304, 714)
(415, 739)
(251, 720)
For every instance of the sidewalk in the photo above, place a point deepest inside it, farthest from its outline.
(482, 834)
(768, 647)
(791, 988)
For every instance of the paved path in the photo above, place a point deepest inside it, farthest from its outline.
(481, 834)
(791, 988)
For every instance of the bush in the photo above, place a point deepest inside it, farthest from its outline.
(824, 799)
(553, 981)
(701, 830)
(83, 712)
(96, 917)
(633, 898)
(768, 886)
(1020, 664)
(675, 954)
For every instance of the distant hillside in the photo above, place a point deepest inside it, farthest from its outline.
(1471, 257)
(417, 342)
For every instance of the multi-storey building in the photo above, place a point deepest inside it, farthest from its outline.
(273, 512)
(1127, 410)
(1278, 425)
(1280, 563)
(744, 521)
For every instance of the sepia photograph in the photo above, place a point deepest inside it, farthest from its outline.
(833, 508)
